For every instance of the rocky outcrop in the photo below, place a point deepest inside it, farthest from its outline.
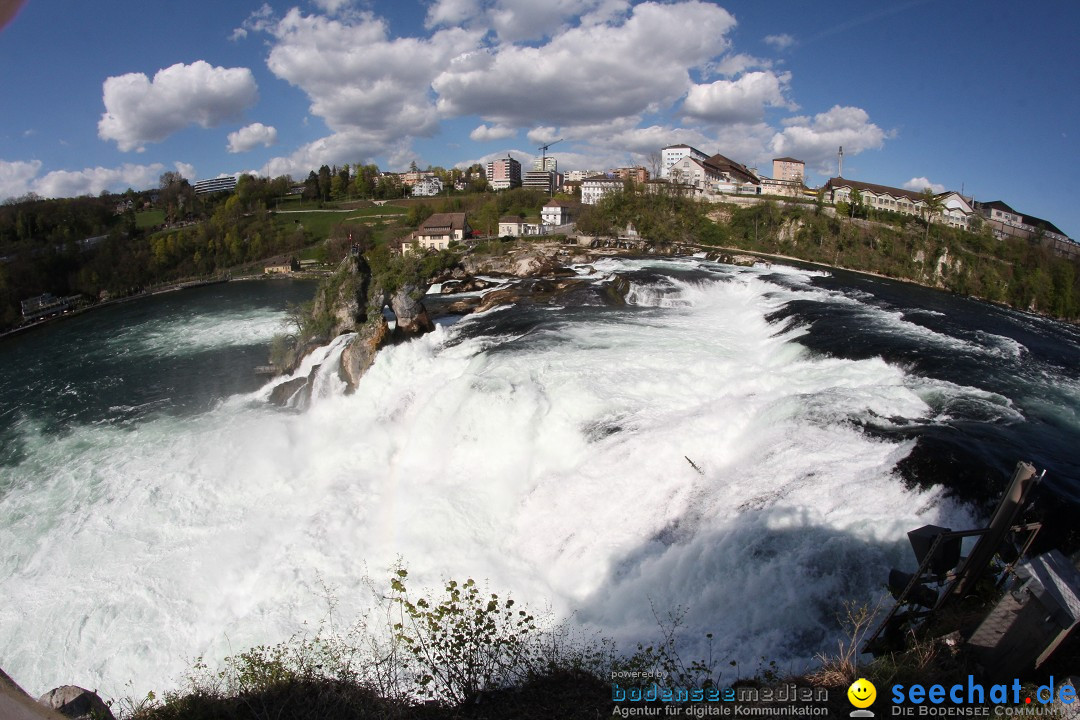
(344, 299)
(282, 392)
(412, 316)
(16, 704)
(76, 702)
(360, 353)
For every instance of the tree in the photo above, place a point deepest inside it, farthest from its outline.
(324, 182)
(655, 161)
(170, 178)
(932, 206)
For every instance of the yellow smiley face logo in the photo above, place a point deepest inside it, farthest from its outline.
(862, 693)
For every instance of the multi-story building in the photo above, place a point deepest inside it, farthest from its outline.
(956, 210)
(674, 153)
(219, 184)
(544, 180)
(716, 174)
(787, 168)
(637, 174)
(576, 176)
(594, 189)
(546, 163)
(1005, 223)
(877, 197)
(504, 173)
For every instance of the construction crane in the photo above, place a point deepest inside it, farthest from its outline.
(543, 150)
(543, 164)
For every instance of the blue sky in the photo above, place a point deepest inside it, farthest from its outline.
(971, 95)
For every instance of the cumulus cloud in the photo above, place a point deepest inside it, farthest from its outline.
(780, 42)
(918, 184)
(543, 134)
(582, 74)
(91, 181)
(250, 137)
(139, 110)
(742, 100)
(484, 133)
(347, 146)
(451, 12)
(187, 170)
(15, 177)
(359, 79)
(815, 140)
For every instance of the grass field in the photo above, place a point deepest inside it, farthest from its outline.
(321, 222)
(149, 218)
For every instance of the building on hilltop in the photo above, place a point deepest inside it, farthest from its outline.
(790, 169)
(716, 174)
(594, 189)
(1006, 223)
(219, 184)
(674, 153)
(504, 173)
(956, 210)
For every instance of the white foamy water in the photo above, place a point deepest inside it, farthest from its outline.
(197, 333)
(553, 464)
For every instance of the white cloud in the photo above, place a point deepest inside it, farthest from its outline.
(738, 63)
(359, 80)
(187, 170)
(780, 42)
(583, 73)
(815, 140)
(333, 7)
(451, 13)
(543, 135)
(250, 137)
(349, 146)
(918, 184)
(484, 133)
(742, 100)
(140, 111)
(91, 181)
(15, 177)
(259, 21)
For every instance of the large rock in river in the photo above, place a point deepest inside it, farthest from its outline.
(412, 316)
(360, 353)
(76, 702)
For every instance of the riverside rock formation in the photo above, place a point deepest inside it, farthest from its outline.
(75, 702)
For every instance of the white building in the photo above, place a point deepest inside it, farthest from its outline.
(594, 189)
(674, 153)
(556, 212)
(427, 187)
(439, 230)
